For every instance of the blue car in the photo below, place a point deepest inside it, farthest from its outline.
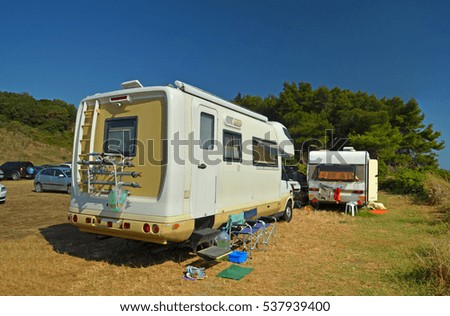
(54, 179)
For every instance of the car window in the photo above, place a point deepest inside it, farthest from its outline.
(49, 172)
(58, 173)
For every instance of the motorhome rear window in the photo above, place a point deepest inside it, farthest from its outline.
(232, 146)
(265, 153)
(121, 136)
(334, 173)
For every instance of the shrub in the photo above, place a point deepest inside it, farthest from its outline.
(405, 181)
(434, 265)
(437, 189)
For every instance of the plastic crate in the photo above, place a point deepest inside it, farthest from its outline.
(237, 256)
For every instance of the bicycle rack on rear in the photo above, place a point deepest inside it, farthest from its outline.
(99, 163)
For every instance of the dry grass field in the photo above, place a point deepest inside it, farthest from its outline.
(20, 147)
(318, 253)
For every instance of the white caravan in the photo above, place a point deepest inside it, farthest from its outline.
(342, 176)
(160, 164)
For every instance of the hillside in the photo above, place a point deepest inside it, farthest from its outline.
(40, 131)
(17, 146)
(46, 121)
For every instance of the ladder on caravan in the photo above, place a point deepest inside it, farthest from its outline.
(91, 163)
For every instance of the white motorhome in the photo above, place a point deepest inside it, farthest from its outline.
(342, 176)
(163, 163)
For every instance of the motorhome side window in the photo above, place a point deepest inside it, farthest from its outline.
(120, 136)
(206, 131)
(265, 153)
(232, 146)
(334, 173)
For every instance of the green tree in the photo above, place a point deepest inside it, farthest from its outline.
(389, 129)
(419, 143)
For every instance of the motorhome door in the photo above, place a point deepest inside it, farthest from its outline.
(205, 161)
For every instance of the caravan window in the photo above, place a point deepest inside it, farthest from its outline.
(120, 136)
(232, 146)
(206, 131)
(265, 153)
(334, 173)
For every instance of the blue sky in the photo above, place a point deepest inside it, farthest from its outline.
(70, 49)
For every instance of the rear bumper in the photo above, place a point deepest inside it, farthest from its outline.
(159, 232)
(344, 198)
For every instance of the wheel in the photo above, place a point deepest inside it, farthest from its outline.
(69, 189)
(315, 205)
(15, 176)
(38, 188)
(288, 212)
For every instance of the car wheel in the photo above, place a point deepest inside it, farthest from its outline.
(38, 188)
(69, 189)
(15, 176)
(288, 212)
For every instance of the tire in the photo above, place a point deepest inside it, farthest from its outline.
(15, 176)
(38, 188)
(288, 212)
(69, 189)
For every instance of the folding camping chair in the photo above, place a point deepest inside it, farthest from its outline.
(250, 233)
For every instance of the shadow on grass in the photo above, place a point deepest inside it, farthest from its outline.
(67, 239)
(331, 207)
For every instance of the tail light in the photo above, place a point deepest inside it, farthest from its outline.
(146, 228)
(126, 225)
(120, 98)
(358, 192)
(75, 218)
(315, 200)
(88, 220)
(155, 229)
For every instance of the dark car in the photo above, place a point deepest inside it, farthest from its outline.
(17, 170)
(300, 196)
(53, 179)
